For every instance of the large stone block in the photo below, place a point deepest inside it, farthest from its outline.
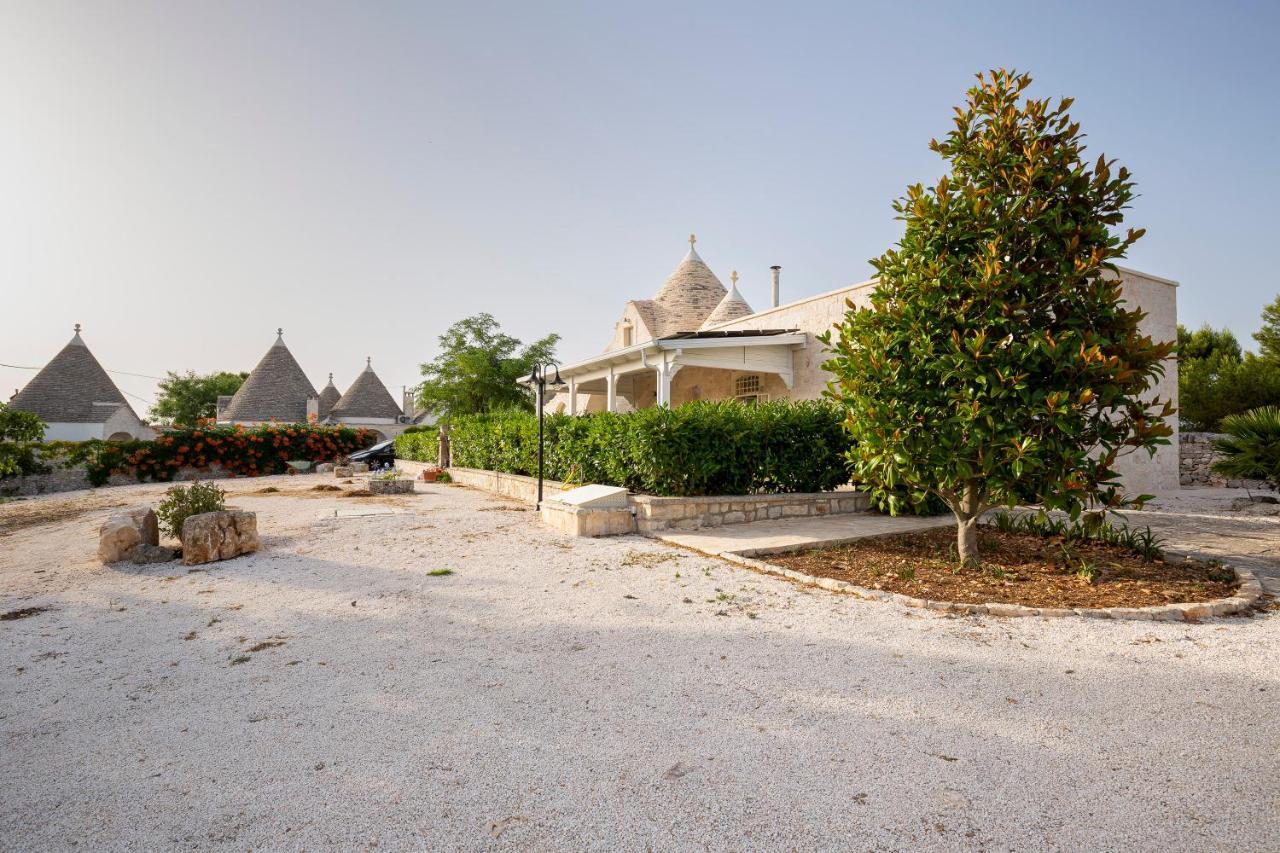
(213, 536)
(360, 467)
(126, 529)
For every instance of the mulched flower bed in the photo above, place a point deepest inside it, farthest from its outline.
(1017, 568)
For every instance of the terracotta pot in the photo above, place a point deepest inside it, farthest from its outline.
(430, 476)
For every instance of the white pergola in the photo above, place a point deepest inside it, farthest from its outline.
(766, 351)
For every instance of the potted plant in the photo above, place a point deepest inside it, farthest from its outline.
(431, 474)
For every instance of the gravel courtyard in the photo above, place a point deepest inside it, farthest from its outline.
(589, 694)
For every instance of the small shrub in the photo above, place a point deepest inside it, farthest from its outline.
(182, 502)
(1251, 448)
(418, 444)
(439, 573)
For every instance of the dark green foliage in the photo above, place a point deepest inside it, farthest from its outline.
(1139, 540)
(1216, 379)
(418, 444)
(188, 399)
(478, 368)
(997, 361)
(703, 448)
(20, 436)
(1251, 448)
(1268, 337)
(182, 502)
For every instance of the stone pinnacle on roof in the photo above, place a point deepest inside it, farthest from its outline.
(732, 307)
(329, 396)
(71, 388)
(366, 398)
(277, 389)
(688, 296)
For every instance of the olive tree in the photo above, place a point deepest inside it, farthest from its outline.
(997, 362)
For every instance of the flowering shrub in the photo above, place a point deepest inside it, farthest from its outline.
(238, 450)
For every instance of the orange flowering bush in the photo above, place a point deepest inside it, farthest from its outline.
(237, 450)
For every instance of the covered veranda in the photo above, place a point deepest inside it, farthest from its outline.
(644, 375)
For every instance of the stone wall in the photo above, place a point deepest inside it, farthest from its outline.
(654, 513)
(75, 479)
(1195, 462)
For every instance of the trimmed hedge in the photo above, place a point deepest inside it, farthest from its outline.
(701, 448)
(419, 444)
(237, 450)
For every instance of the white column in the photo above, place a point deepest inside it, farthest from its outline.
(611, 399)
(573, 396)
(664, 383)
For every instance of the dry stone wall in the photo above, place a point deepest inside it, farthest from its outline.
(1195, 462)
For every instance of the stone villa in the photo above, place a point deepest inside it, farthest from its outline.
(76, 398)
(278, 390)
(697, 340)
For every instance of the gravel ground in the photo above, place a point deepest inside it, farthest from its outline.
(590, 694)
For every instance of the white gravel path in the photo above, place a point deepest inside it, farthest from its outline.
(593, 694)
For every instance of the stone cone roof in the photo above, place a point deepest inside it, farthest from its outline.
(71, 388)
(687, 297)
(329, 396)
(732, 307)
(276, 389)
(366, 398)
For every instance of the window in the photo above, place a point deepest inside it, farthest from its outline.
(746, 389)
(626, 333)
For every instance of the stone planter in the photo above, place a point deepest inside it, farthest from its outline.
(391, 487)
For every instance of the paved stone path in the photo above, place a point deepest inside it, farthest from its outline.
(763, 537)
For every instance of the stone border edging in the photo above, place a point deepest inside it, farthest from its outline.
(1248, 594)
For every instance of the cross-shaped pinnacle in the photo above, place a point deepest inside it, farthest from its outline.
(280, 332)
(368, 361)
(692, 240)
(733, 277)
(77, 328)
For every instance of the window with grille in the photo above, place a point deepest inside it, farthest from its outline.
(745, 385)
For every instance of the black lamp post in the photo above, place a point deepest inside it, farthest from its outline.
(538, 378)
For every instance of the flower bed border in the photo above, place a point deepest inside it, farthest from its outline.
(1244, 599)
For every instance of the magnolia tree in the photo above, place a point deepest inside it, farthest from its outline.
(997, 363)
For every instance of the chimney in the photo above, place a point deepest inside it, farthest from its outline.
(407, 404)
(313, 409)
(777, 273)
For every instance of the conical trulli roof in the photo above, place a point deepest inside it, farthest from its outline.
(71, 388)
(366, 398)
(277, 389)
(732, 307)
(329, 396)
(688, 296)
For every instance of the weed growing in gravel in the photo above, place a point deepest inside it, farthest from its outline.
(907, 574)
(439, 573)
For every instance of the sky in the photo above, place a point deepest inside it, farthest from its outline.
(183, 178)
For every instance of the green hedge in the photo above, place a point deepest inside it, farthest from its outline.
(702, 448)
(419, 444)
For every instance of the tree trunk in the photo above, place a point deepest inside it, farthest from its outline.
(967, 540)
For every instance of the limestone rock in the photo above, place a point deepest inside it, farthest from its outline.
(213, 536)
(325, 468)
(360, 467)
(142, 554)
(116, 537)
(342, 471)
(125, 529)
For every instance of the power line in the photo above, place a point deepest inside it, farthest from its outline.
(108, 369)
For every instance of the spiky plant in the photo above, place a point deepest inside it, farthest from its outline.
(1251, 447)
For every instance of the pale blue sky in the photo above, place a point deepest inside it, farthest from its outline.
(183, 178)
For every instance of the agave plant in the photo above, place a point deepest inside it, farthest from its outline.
(1250, 449)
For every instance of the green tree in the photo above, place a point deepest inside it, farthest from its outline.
(18, 431)
(1214, 388)
(997, 362)
(186, 398)
(1207, 343)
(1268, 337)
(478, 368)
